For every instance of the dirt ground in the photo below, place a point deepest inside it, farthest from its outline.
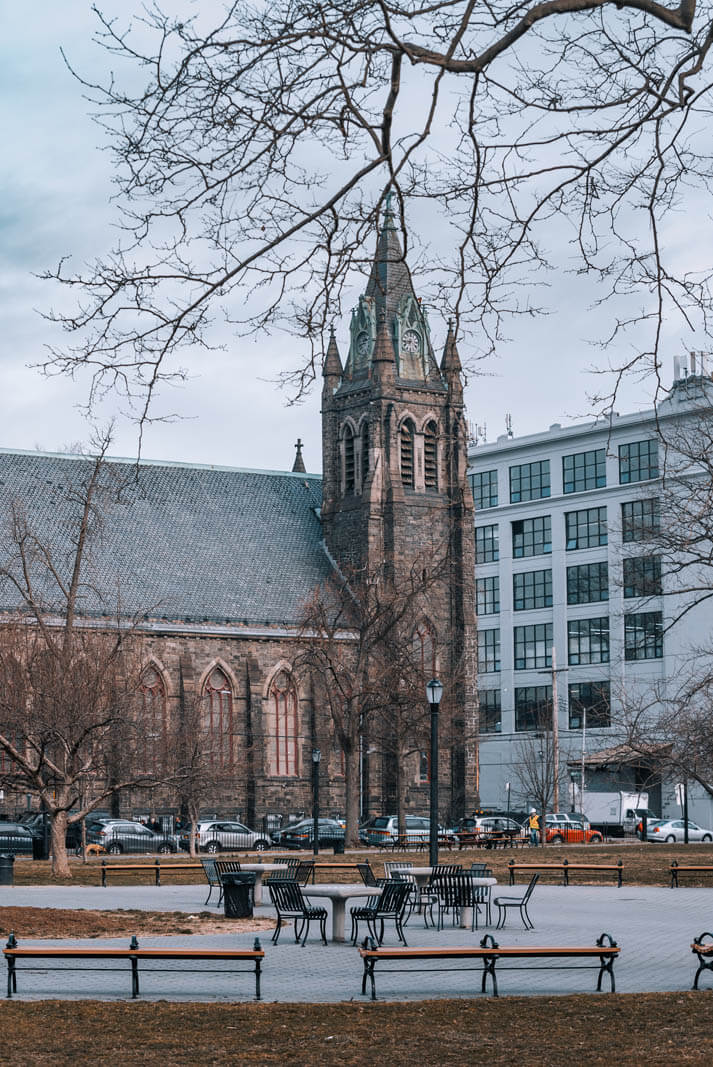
(644, 1029)
(63, 922)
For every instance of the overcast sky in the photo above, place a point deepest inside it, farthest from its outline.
(56, 185)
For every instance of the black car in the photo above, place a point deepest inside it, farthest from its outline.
(15, 838)
(301, 834)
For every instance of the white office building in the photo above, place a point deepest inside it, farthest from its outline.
(569, 592)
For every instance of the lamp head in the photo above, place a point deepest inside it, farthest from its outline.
(316, 755)
(434, 691)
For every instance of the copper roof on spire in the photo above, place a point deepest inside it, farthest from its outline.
(390, 278)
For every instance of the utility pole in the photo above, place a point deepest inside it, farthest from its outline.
(555, 735)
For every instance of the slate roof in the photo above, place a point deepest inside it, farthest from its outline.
(178, 542)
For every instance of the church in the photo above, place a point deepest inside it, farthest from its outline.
(217, 563)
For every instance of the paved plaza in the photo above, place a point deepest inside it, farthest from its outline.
(653, 926)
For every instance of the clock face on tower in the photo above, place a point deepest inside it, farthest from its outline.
(411, 342)
(362, 343)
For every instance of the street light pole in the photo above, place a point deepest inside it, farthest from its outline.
(316, 757)
(434, 692)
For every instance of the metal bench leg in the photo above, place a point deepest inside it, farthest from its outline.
(368, 973)
(276, 934)
(257, 979)
(489, 969)
(12, 977)
(134, 977)
(606, 964)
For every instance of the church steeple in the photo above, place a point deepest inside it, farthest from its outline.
(298, 467)
(390, 297)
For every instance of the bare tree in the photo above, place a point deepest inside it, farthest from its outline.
(253, 161)
(68, 684)
(358, 648)
(537, 765)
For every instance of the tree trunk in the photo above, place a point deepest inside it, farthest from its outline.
(58, 831)
(351, 789)
(400, 794)
(194, 832)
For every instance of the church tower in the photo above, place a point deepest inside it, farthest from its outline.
(396, 494)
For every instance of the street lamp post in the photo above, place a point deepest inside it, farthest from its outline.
(507, 790)
(316, 757)
(434, 692)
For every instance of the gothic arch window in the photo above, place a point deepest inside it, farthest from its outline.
(364, 452)
(218, 703)
(349, 469)
(407, 454)
(283, 738)
(430, 455)
(154, 719)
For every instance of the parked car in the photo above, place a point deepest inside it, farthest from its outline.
(569, 832)
(364, 829)
(671, 830)
(569, 816)
(301, 834)
(15, 838)
(122, 835)
(223, 835)
(385, 829)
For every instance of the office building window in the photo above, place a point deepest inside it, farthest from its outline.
(588, 583)
(586, 528)
(640, 519)
(487, 596)
(533, 646)
(488, 651)
(532, 537)
(486, 544)
(642, 576)
(588, 640)
(584, 470)
(531, 589)
(530, 481)
(638, 461)
(533, 707)
(589, 705)
(485, 489)
(643, 635)
(490, 714)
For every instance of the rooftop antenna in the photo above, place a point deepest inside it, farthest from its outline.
(508, 425)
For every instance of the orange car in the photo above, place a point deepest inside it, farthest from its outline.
(571, 833)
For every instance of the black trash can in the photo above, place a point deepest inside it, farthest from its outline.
(38, 848)
(339, 846)
(7, 869)
(238, 894)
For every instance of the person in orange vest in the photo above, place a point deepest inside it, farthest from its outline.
(533, 824)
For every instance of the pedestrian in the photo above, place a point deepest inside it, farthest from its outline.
(533, 824)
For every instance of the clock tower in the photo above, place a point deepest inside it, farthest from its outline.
(396, 495)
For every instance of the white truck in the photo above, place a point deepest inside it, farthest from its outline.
(616, 814)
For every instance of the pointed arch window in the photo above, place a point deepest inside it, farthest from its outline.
(218, 700)
(430, 456)
(154, 719)
(282, 727)
(364, 453)
(407, 454)
(349, 469)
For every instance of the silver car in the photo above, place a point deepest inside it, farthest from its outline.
(672, 830)
(223, 835)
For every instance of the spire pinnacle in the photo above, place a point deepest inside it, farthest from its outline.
(332, 366)
(450, 363)
(383, 359)
(298, 467)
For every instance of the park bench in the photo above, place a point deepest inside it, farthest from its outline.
(488, 839)
(677, 870)
(565, 868)
(155, 868)
(704, 950)
(490, 954)
(133, 955)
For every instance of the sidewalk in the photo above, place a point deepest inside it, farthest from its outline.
(653, 926)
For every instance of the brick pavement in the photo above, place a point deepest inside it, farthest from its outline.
(654, 927)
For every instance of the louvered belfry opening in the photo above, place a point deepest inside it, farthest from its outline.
(407, 471)
(430, 456)
(348, 460)
(364, 453)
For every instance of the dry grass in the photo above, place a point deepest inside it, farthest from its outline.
(643, 864)
(652, 1029)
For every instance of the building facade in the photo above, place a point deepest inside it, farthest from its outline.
(577, 617)
(218, 564)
